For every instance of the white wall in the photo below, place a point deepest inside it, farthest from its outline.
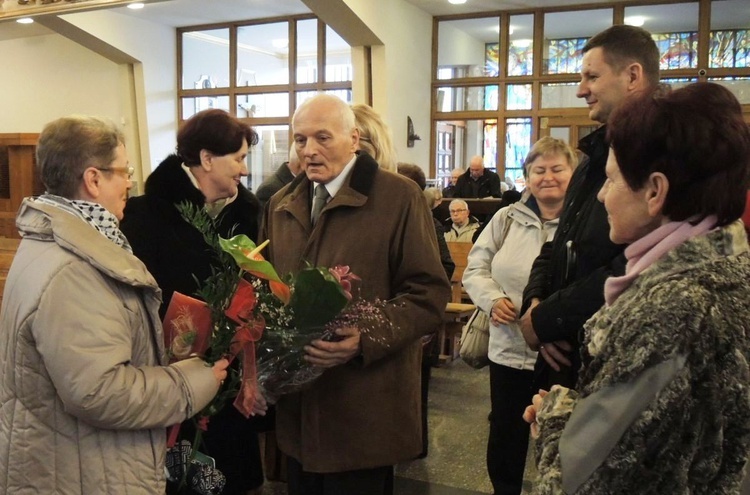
(62, 77)
(401, 71)
(459, 48)
(154, 46)
(47, 77)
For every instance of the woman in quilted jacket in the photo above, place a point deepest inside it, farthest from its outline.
(85, 392)
(662, 403)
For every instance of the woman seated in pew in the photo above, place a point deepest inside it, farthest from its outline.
(662, 403)
(498, 269)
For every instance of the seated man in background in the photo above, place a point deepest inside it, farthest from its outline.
(477, 182)
(462, 224)
(450, 191)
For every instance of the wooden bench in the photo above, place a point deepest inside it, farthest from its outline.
(459, 253)
(8, 247)
(456, 316)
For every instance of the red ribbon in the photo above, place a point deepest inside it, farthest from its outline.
(250, 330)
(244, 342)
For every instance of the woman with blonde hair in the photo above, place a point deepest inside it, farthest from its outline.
(375, 136)
(498, 269)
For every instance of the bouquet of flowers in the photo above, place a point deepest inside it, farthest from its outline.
(247, 310)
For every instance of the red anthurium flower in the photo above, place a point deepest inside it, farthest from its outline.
(240, 310)
(248, 257)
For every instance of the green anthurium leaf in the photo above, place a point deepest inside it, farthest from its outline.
(239, 247)
(317, 298)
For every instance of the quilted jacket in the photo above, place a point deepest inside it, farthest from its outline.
(84, 401)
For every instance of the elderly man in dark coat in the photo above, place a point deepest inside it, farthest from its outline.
(344, 433)
(478, 182)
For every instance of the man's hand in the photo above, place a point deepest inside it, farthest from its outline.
(503, 311)
(527, 327)
(554, 353)
(260, 406)
(330, 354)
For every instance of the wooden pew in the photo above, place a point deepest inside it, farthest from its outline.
(456, 316)
(8, 247)
(459, 253)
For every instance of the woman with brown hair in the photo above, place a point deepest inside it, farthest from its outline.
(662, 403)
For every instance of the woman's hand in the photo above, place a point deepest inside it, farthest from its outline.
(529, 415)
(220, 370)
(503, 311)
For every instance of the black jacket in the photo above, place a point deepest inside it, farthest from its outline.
(175, 252)
(569, 273)
(487, 185)
(274, 183)
(172, 249)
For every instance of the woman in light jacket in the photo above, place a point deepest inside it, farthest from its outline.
(497, 271)
(85, 395)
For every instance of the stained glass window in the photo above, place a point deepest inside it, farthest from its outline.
(729, 48)
(517, 146)
(678, 82)
(490, 98)
(677, 50)
(520, 58)
(519, 97)
(564, 56)
(490, 144)
(491, 57)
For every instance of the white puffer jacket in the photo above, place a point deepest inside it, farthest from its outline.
(84, 398)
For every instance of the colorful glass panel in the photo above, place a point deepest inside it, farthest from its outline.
(564, 56)
(677, 50)
(520, 59)
(730, 49)
(491, 59)
(490, 144)
(491, 95)
(517, 146)
(519, 97)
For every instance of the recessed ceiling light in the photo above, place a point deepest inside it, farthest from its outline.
(280, 43)
(636, 20)
(456, 2)
(136, 5)
(25, 20)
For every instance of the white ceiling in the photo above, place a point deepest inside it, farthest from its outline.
(662, 18)
(179, 13)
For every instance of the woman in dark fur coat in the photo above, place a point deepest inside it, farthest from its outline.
(662, 404)
(211, 150)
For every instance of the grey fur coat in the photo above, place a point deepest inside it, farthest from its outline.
(664, 405)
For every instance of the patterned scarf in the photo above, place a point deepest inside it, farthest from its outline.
(93, 213)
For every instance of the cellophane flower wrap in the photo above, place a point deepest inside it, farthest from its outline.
(268, 320)
(316, 302)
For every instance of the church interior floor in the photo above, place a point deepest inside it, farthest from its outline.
(459, 403)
